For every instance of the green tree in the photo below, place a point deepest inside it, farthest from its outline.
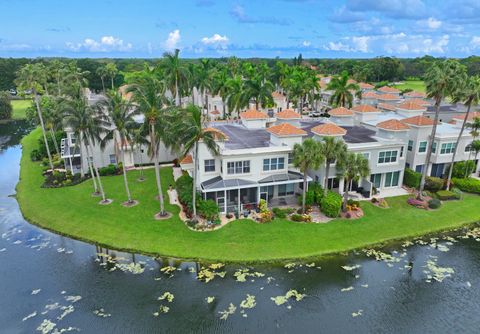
(333, 149)
(5, 106)
(307, 156)
(259, 90)
(111, 71)
(102, 73)
(342, 91)
(175, 73)
(352, 167)
(220, 87)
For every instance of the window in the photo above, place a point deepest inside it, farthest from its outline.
(290, 158)
(209, 165)
(391, 179)
(285, 189)
(273, 164)
(419, 168)
(447, 148)
(376, 179)
(238, 167)
(422, 147)
(386, 157)
(468, 148)
(410, 145)
(434, 147)
(401, 152)
(407, 165)
(113, 159)
(366, 155)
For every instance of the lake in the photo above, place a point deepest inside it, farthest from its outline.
(54, 284)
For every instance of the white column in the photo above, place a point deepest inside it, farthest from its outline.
(71, 165)
(225, 201)
(239, 200)
(258, 195)
(341, 185)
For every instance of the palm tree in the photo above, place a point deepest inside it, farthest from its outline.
(352, 167)
(192, 130)
(138, 139)
(203, 80)
(342, 91)
(111, 71)
(307, 156)
(29, 78)
(148, 94)
(220, 86)
(469, 92)
(476, 148)
(235, 99)
(192, 81)
(56, 68)
(51, 111)
(333, 149)
(101, 71)
(119, 124)
(474, 127)
(441, 79)
(259, 90)
(175, 73)
(86, 125)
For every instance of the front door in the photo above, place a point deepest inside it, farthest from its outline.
(221, 204)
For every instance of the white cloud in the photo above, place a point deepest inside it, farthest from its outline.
(352, 44)
(306, 43)
(216, 41)
(172, 40)
(339, 46)
(105, 44)
(420, 44)
(361, 43)
(430, 23)
(475, 42)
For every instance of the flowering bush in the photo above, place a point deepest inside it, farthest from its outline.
(417, 203)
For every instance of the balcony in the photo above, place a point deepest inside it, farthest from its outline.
(67, 150)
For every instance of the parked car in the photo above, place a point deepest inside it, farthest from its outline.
(315, 113)
(13, 92)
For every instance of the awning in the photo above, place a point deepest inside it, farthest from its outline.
(218, 183)
(290, 176)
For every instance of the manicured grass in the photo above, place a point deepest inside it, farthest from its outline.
(417, 85)
(74, 212)
(19, 108)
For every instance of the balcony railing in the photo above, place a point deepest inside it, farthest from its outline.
(68, 151)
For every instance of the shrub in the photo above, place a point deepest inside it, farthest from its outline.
(462, 168)
(353, 203)
(469, 185)
(35, 155)
(445, 195)
(331, 204)
(279, 213)
(192, 223)
(434, 203)
(411, 178)
(296, 217)
(310, 197)
(415, 202)
(208, 209)
(457, 193)
(108, 170)
(433, 184)
(265, 214)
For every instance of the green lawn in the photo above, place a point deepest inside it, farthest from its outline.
(73, 212)
(19, 108)
(417, 85)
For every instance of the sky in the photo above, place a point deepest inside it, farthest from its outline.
(254, 28)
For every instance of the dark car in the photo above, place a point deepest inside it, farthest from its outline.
(13, 92)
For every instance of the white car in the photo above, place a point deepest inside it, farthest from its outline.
(315, 113)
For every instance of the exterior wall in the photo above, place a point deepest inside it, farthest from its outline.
(254, 123)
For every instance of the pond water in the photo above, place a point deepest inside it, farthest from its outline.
(55, 284)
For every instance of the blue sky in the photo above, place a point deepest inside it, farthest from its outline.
(215, 28)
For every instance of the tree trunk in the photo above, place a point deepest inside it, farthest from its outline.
(103, 84)
(104, 199)
(54, 139)
(224, 112)
(157, 168)
(449, 179)
(82, 170)
(125, 175)
(304, 194)
(177, 96)
(430, 147)
(194, 181)
(141, 165)
(39, 111)
(345, 196)
(327, 170)
(90, 165)
(193, 97)
(112, 83)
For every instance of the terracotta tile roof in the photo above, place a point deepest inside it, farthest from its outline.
(286, 130)
(340, 112)
(253, 114)
(323, 85)
(215, 112)
(387, 106)
(329, 129)
(414, 94)
(386, 89)
(410, 105)
(218, 135)
(370, 95)
(364, 85)
(418, 121)
(365, 108)
(277, 95)
(421, 102)
(471, 117)
(388, 97)
(288, 114)
(393, 125)
(187, 160)
(351, 81)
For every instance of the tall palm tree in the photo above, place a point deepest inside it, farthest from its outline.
(342, 91)
(101, 71)
(204, 84)
(29, 78)
(476, 149)
(51, 111)
(192, 72)
(55, 68)
(220, 87)
(352, 167)
(259, 90)
(469, 93)
(235, 98)
(441, 79)
(175, 73)
(111, 71)
(119, 124)
(148, 94)
(307, 156)
(333, 149)
(474, 127)
(192, 130)
(138, 139)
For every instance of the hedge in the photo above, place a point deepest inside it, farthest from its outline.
(411, 178)
(446, 195)
(331, 204)
(469, 185)
(433, 184)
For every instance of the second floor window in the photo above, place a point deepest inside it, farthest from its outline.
(273, 164)
(468, 148)
(238, 167)
(422, 147)
(410, 145)
(386, 157)
(401, 152)
(209, 165)
(447, 148)
(113, 159)
(290, 158)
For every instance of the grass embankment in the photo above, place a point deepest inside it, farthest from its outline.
(72, 211)
(20, 108)
(416, 85)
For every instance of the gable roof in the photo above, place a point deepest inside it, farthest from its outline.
(418, 121)
(414, 94)
(386, 89)
(340, 112)
(217, 134)
(277, 95)
(388, 97)
(471, 117)
(286, 130)
(329, 129)
(411, 105)
(187, 160)
(364, 85)
(370, 95)
(393, 125)
(421, 102)
(253, 114)
(288, 114)
(387, 106)
(365, 108)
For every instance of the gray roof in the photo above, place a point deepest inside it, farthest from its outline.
(240, 137)
(290, 176)
(355, 134)
(219, 183)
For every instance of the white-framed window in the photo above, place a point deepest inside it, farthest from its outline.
(447, 148)
(376, 179)
(386, 157)
(392, 179)
(285, 189)
(113, 159)
(410, 145)
(238, 167)
(290, 158)
(209, 165)
(434, 147)
(273, 164)
(468, 148)
(422, 147)
(401, 152)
